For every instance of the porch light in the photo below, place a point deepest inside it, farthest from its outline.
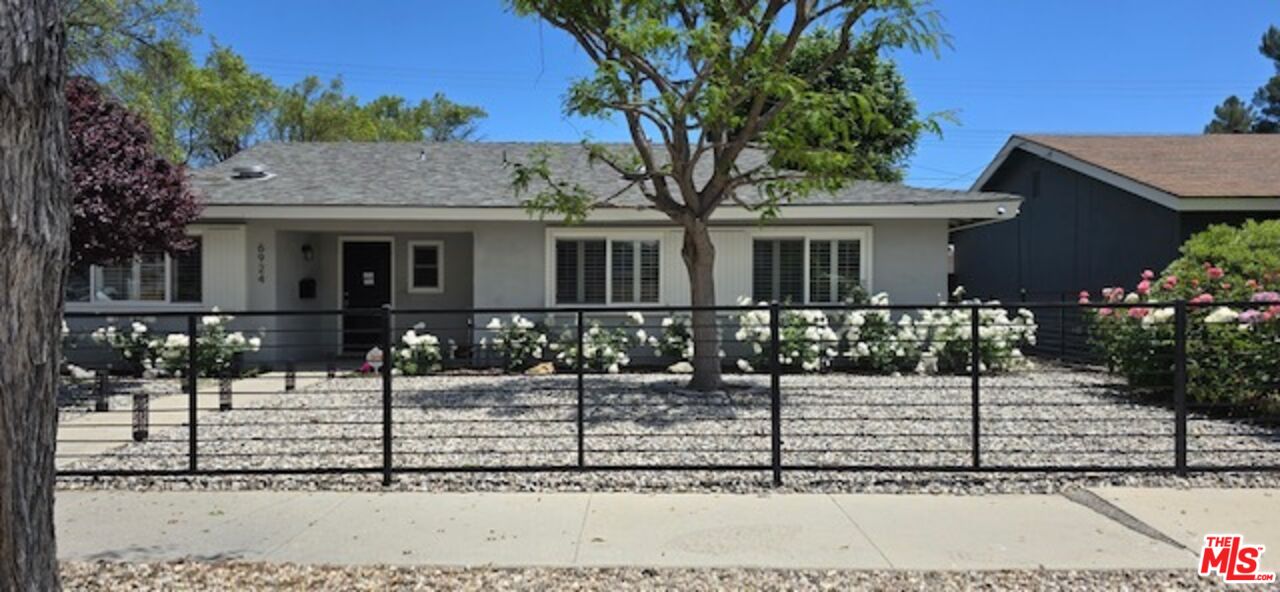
(308, 253)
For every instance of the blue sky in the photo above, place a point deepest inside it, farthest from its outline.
(1016, 66)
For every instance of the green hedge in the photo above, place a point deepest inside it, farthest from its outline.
(1233, 350)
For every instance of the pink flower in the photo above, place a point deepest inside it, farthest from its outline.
(1215, 273)
(1147, 274)
(366, 368)
(1144, 287)
(1195, 283)
(1252, 284)
(1104, 312)
(1137, 313)
(1170, 282)
(1226, 285)
(1084, 296)
(1205, 298)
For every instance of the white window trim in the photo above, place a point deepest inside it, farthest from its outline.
(608, 235)
(439, 287)
(863, 234)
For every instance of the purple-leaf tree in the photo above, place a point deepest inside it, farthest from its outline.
(127, 199)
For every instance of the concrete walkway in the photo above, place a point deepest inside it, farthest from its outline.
(93, 433)
(677, 530)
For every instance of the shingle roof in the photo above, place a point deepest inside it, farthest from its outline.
(1210, 165)
(462, 174)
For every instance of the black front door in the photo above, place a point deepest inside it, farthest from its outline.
(366, 283)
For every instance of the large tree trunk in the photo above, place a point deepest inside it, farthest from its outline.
(699, 259)
(34, 217)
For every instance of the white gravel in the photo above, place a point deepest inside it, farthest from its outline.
(78, 397)
(105, 576)
(1048, 416)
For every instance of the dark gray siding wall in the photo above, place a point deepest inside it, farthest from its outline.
(1194, 222)
(1073, 233)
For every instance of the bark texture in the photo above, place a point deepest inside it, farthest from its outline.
(699, 259)
(35, 207)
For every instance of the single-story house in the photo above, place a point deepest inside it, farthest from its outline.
(1098, 210)
(323, 226)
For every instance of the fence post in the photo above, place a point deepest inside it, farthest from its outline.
(102, 392)
(290, 376)
(224, 391)
(775, 392)
(1062, 333)
(193, 342)
(141, 421)
(388, 361)
(581, 359)
(1180, 386)
(975, 372)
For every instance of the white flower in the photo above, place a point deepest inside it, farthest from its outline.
(1221, 314)
(680, 368)
(494, 324)
(255, 343)
(139, 328)
(642, 336)
(236, 339)
(636, 317)
(745, 366)
(211, 320)
(613, 368)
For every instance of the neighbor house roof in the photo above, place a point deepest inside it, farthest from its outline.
(1208, 171)
(460, 174)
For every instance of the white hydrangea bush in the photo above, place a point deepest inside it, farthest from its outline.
(134, 343)
(1001, 337)
(674, 339)
(806, 339)
(875, 344)
(520, 342)
(420, 352)
(217, 348)
(603, 348)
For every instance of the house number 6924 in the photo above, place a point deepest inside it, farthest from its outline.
(262, 263)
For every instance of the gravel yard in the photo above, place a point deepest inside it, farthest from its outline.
(1047, 416)
(78, 397)
(144, 577)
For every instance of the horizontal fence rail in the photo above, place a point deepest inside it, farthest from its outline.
(959, 387)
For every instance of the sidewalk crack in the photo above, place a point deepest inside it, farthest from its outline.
(862, 532)
(582, 529)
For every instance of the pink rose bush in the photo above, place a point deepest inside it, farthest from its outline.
(1233, 320)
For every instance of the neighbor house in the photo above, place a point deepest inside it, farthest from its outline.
(1098, 210)
(436, 228)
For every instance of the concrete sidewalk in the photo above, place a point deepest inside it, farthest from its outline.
(678, 530)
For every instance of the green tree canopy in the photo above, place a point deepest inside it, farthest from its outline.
(313, 111)
(105, 36)
(199, 113)
(1233, 116)
(889, 137)
(705, 87)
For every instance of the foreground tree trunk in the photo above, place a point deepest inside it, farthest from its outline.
(35, 207)
(699, 259)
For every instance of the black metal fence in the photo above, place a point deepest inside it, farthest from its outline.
(957, 387)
